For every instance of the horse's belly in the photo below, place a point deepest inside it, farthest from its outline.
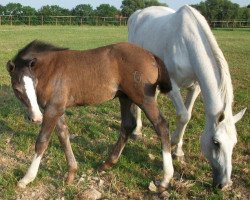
(183, 75)
(90, 95)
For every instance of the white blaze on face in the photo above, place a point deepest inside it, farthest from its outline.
(31, 94)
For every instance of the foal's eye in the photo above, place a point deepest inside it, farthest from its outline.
(17, 89)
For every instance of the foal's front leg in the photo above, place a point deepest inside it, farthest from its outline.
(51, 116)
(63, 135)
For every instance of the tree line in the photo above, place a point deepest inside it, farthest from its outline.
(103, 10)
(223, 10)
(211, 9)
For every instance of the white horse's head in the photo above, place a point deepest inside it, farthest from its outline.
(217, 143)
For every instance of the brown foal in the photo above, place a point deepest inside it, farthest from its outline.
(54, 79)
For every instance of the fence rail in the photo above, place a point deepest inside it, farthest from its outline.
(95, 20)
(61, 20)
(230, 24)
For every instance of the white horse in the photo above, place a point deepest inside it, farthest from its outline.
(184, 41)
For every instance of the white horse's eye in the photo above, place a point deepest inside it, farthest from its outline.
(216, 142)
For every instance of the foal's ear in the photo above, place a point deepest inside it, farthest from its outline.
(10, 66)
(32, 62)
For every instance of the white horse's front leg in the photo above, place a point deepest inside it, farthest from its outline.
(184, 115)
(31, 173)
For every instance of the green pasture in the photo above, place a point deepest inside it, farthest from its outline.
(95, 130)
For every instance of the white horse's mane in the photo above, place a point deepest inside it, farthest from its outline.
(225, 88)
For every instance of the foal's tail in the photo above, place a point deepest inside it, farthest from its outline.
(163, 81)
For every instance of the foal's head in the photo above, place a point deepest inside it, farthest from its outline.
(24, 84)
(23, 79)
(217, 144)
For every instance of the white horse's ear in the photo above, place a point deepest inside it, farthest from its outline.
(220, 117)
(239, 115)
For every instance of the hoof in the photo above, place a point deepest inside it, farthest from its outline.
(161, 189)
(136, 136)
(180, 159)
(105, 166)
(70, 179)
(21, 185)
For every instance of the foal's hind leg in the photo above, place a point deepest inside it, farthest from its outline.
(137, 112)
(63, 135)
(184, 115)
(128, 124)
(153, 114)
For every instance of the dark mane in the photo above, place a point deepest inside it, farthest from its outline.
(33, 47)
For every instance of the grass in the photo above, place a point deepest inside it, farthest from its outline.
(96, 130)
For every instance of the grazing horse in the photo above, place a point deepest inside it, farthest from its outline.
(184, 41)
(57, 78)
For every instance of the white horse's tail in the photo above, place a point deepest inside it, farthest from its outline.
(226, 88)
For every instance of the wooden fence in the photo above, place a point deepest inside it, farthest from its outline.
(94, 20)
(230, 24)
(62, 20)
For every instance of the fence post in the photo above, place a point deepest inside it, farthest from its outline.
(11, 20)
(42, 20)
(29, 20)
(96, 22)
(81, 21)
(56, 21)
(0, 20)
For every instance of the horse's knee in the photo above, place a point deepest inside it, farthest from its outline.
(184, 117)
(163, 127)
(129, 125)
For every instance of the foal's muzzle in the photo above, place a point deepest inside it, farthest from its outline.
(36, 119)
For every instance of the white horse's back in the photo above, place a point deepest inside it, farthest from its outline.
(164, 32)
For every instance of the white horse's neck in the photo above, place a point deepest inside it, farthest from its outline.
(214, 76)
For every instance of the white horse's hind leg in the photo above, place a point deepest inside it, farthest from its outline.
(184, 115)
(137, 132)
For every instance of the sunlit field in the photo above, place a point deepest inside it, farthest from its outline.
(95, 129)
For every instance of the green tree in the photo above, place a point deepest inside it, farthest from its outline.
(28, 11)
(153, 3)
(218, 9)
(53, 10)
(130, 6)
(106, 10)
(1, 9)
(82, 10)
(12, 9)
(244, 13)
